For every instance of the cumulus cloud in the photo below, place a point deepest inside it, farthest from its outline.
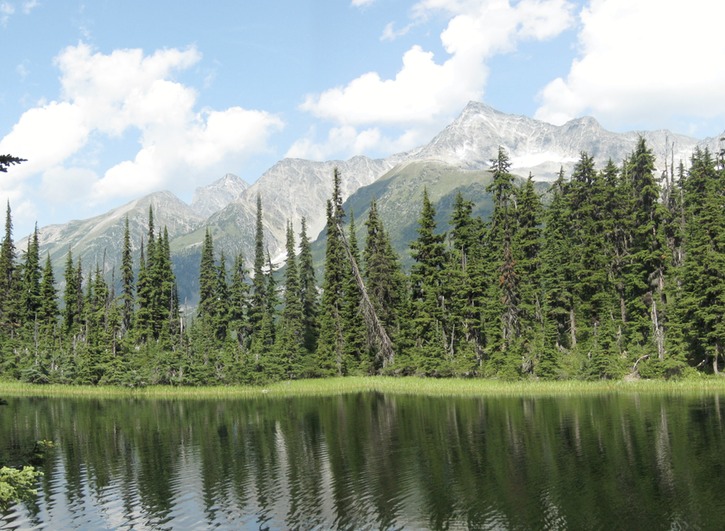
(426, 92)
(128, 92)
(642, 62)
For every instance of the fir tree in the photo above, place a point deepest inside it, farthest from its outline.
(257, 307)
(331, 344)
(354, 326)
(127, 280)
(308, 292)
(427, 335)
(30, 283)
(48, 312)
(290, 339)
(383, 278)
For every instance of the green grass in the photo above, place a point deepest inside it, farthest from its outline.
(400, 386)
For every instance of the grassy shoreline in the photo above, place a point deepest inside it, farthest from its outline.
(389, 385)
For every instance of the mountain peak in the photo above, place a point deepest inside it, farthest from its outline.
(213, 197)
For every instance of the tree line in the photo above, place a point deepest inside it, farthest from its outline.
(615, 272)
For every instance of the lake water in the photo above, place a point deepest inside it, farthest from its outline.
(373, 461)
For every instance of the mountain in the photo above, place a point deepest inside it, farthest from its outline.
(99, 240)
(541, 148)
(212, 198)
(399, 198)
(290, 190)
(456, 159)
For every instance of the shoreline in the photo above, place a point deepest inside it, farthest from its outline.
(381, 384)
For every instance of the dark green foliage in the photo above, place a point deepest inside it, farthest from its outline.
(383, 277)
(8, 160)
(331, 343)
(290, 336)
(426, 334)
(308, 293)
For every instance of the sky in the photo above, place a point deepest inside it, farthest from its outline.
(111, 100)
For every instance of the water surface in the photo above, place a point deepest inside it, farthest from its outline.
(373, 461)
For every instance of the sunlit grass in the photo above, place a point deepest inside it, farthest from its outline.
(400, 386)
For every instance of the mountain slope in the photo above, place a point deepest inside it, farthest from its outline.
(541, 148)
(212, 198)
(99, 240)
(290, 190)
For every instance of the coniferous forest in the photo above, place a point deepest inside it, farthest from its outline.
(612, 273)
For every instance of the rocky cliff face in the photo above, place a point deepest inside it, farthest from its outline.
(212, 198)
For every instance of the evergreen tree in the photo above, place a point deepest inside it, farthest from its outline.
(331, 344)
(8, 306)
(127, 280)
(48, 312)
(239, 303)
(503, 301)
(356, 341)
(257, 307)
(527, 249)
(308, 293)
(291, 340)
(703, 282)
(70, 297)
(428, 339)
(207, 277)
(384, 281)
(142, 321)
(646, 269)
(30, 283)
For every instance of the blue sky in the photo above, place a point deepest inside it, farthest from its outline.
(110, 100)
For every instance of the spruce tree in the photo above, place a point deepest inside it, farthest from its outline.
(30, 282)
(503, 301)
(8, 304)
(702, 304)
(308, 293)
(428, 340)
(648, 262)
(207, 277)
(384, 281)
(239, 303)
(331, 343)
(127, 280)
(257, 307)
(48, 312)
(354, 325)
(70, 297)
(290, 339)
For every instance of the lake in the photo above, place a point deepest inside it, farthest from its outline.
(373, 461)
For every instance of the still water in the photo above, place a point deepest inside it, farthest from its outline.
(373, 461)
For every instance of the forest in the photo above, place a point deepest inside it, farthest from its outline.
(614, 272)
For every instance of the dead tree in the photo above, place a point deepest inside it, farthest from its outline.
(374, 326)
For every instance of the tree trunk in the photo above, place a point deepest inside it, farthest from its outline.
(371, 317)
(658, 332)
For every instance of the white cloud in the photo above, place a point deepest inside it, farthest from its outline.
(29, 5)
(362, 3)
(6, 11)
(129, 93)
(427, 92)
(643, 62)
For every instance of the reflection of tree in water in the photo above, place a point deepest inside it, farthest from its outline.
(375, 461)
